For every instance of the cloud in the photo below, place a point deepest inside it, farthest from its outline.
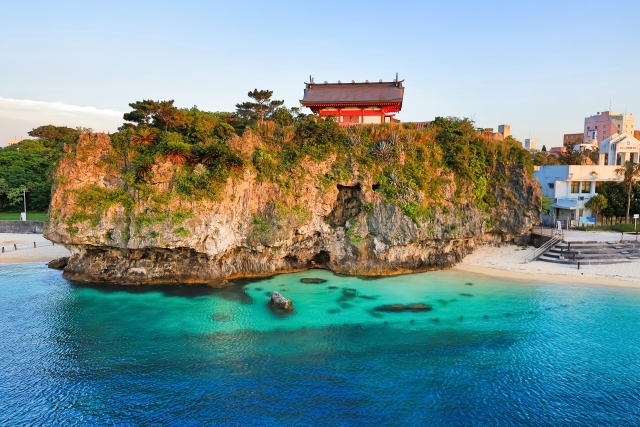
(19, 116)
(59, 107)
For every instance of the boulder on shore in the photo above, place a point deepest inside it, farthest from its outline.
(59, 263)
(279, 301)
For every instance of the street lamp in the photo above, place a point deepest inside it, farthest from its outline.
(24, 197)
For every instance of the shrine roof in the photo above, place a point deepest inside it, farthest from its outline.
(383, 93)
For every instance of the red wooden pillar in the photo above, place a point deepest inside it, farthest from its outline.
(339, 114)
(362, 115)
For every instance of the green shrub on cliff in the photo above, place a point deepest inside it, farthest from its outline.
(195, 153)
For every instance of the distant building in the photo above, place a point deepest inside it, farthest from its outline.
(571, 186)
(636, 134)
(355, 103)
(618, 149)
(13, 141)
(505, 130)
(606, 124)
(530, 144)
(573, 138)
(556, 151)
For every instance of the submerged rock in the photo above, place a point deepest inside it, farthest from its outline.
(332, 287)
(333, 310)
(369, 297)
(59, 263)
(279, 301)
(466, 295)
(391, 308)
(418, 306)
(312, 280)
(469, 284)
(400, 308)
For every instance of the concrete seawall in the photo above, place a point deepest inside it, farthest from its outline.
(22, 227)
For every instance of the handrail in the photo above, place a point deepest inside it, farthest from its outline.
(544, 248)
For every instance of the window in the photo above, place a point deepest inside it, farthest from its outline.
(552, 185)
(586, 187)
(575, 186)
(598, 184)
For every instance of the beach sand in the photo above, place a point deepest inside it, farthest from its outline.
(507, 262)
(43, 252)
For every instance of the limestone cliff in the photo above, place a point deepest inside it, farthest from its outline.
(119, 231)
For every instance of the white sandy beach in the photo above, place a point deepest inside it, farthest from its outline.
(44, 250)
(507, 261)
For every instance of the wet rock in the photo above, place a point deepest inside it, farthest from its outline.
(466, 295)
(59, 263)
(312, 280)
(268, 293)
(333, 310)
(280, 302)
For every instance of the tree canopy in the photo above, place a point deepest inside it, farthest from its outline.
(261, 108)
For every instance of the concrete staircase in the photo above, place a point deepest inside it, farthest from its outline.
(592, 253)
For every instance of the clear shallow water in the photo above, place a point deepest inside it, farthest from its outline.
(109, 355)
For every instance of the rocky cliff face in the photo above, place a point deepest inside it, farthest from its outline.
(130, 235)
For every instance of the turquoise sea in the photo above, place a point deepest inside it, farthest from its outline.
(521, 354)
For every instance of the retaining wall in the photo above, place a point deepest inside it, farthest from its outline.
(22, 227)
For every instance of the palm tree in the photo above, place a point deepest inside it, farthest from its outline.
(630, 173)
(596, 204)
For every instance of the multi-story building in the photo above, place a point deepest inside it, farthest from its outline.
(573, 138)
(505, 130)
(530, 144)
(606, 124)
(571, 186)
(13, 141)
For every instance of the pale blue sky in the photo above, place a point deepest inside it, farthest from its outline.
(540, 66)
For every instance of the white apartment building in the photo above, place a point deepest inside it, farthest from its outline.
(530, 144)
(572, 186)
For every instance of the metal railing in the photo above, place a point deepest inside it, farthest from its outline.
(18, 246)
(544, 248)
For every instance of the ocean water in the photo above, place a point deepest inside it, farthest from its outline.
(522, 353)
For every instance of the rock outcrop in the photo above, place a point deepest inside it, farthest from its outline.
(256, 229)
(280, 302)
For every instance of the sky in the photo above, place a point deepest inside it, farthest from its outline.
(540, 66)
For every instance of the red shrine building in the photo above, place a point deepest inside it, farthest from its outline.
(353, 102)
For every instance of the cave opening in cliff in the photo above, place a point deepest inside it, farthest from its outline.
(321, 258)
(347, 205)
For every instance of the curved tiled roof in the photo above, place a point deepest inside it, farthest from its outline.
(384, 93)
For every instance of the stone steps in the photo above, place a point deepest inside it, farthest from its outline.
(592, 253)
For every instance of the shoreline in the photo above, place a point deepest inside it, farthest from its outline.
(547, 278)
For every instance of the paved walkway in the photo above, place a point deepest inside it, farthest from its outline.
(590, 236)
